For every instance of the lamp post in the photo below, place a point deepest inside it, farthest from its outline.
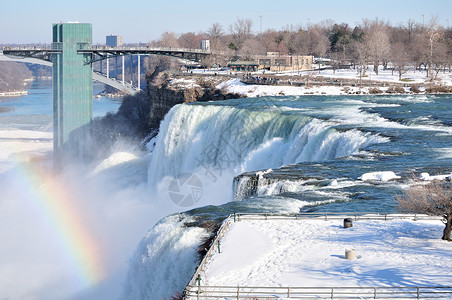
(260, 17)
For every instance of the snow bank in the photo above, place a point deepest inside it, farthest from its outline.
(428, 177)
(311, 253)
(23, 145)
(114, 160)
(184, 83)
(260, 174)
(385, 77)
(379, 176)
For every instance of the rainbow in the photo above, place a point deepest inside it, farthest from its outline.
(57, 205)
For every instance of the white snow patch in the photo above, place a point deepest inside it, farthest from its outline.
(244, 246)
(311, 253)
(428, 177)
(260, 174)
(183, 83)
(23, 145)
(379, 176)
(114, 160)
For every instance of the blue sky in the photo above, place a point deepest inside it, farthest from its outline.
(141, 20)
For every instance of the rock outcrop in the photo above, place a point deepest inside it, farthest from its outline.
(139, 116)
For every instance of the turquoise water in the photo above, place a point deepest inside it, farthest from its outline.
(35, 109)
(317, 147)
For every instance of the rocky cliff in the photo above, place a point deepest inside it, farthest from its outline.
(139, 116)
(13, 75)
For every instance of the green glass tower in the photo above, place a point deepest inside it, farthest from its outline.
(72, 80)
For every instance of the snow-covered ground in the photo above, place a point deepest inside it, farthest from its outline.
(384, 77)
(238, 87)
(27, 144)
(311, 253)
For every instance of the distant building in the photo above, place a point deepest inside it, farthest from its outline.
(114, 40)
(205, 45)
(273, 61)
(243, 66)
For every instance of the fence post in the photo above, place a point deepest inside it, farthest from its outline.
(332, 293)
(199, 285)
(238, 293)
(417, 292)
(288, 292)
(375, 293)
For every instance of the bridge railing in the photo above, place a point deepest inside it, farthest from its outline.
(147, 48)
(106, 48)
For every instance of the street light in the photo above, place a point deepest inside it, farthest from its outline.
(260, 24)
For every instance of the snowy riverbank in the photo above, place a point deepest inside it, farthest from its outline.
(371, 83)
(13, 94)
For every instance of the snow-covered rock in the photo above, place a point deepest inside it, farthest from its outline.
(427, 177)
(379, 176)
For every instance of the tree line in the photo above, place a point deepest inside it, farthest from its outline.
(373, 42)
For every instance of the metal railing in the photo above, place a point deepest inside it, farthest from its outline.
(221, 231)
(195, 290)
(235, 292)
(333, 216)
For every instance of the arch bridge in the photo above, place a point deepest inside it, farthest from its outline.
(72, 56)
(43, 56)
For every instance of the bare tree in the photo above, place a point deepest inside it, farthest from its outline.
(215, 34)
(168, 39)
(156, 64)
(250, 48)
(400, 58)
(269, 40)
(241, 31)
(437, 50)
(190, 40)
(376, 41)
(434, 198)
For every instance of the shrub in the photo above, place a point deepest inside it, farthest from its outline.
(395, 90)
(375, 91)
(436, 89)
(415, 89)
(433, 198)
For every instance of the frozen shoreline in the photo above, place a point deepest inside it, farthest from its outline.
(382, 82)
(14, 94)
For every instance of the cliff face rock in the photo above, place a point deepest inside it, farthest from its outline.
(162, 97)
(13, 75)
(139, 116)
(164, 92)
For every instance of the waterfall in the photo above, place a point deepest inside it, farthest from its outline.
(223, 141)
